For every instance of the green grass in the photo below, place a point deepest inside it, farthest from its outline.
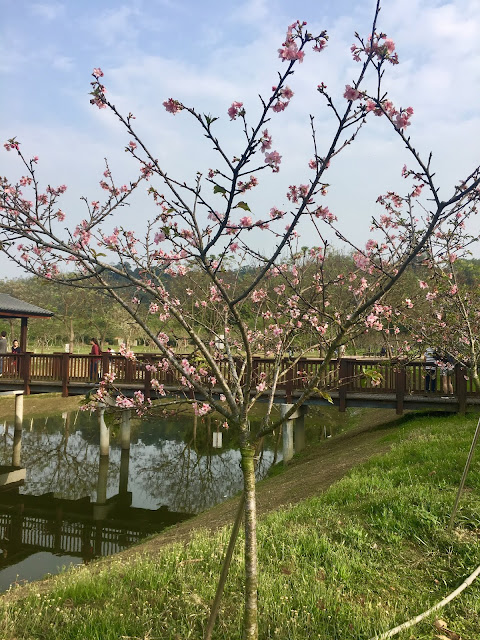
(368, 554)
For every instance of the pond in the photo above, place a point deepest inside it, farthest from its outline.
(76, 505)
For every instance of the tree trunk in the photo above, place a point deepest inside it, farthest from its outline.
(250, 623)
(72, 336)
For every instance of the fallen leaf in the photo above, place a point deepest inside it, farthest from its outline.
(447, 634)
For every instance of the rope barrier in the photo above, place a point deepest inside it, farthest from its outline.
(439, 605)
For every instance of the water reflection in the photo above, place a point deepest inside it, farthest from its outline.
(76, 505)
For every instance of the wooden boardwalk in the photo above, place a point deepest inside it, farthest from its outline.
(400, 385)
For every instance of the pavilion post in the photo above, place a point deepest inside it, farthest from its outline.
(23, 334)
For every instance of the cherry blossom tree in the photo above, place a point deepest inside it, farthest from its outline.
(200, 235)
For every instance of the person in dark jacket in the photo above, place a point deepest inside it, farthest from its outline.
(94, 351)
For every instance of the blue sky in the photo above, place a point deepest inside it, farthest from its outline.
(208, 54)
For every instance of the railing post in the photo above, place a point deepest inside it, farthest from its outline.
(254, 372)
(461, 388)
(342, 384)
(148, 380)
(400, 385)
(288, 380)
(65, 366)
(105, 363)
(129, 370)
(300, 366)
(26, 361)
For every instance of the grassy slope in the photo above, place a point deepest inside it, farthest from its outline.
(369, 553)
(38, 405)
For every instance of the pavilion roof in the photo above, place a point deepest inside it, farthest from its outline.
(11, 307)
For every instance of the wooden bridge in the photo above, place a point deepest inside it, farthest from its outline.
(398, 385)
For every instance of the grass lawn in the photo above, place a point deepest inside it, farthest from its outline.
(364, 556)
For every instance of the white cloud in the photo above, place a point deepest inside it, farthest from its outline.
(250, 12)
(48, 10)
(63, 63)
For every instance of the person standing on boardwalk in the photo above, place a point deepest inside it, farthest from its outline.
(16, 347)
(447, 367)
(16, 350)
(94, 351)
(3, 348)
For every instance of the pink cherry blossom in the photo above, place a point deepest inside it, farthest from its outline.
(273, 159)
(259, 295)
(266, 141)
(351, 93)
(173, 106)
(287, 93)
(389, 44)
(246, 221)
(234, 110)
(320, 46)
(201, 410)
(290, 52)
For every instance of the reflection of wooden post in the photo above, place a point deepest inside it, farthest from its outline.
(102, 479)
(57, 526)
(17, 434)
(125, 429)
(299, 430)
(104, 432)
(100, 508)
(16, 528)
(124, 465)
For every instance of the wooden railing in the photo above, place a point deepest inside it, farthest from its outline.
(64, 536)
(345, 375)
